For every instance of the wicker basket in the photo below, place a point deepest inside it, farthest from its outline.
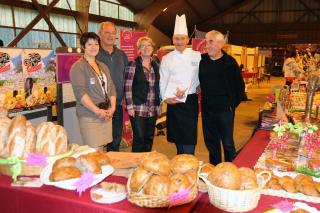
(150, 201)
(26, 170)
(236, 200)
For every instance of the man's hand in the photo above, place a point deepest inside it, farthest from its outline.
(131, 112)
(180, 93)
(172, 101)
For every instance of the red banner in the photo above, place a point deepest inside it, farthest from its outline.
(199, 44)
(128, 42)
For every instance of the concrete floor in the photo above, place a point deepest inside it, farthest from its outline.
(245, 121)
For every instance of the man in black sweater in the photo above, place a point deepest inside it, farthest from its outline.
(222, 90)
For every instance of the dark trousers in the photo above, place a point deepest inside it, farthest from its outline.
(218, 126)
(185, 149)
(117, 127)
(143, 133)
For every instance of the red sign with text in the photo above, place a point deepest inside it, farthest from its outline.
(128, 42)
(199, 44)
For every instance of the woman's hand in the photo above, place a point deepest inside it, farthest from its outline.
(101, 113)
(110, 113)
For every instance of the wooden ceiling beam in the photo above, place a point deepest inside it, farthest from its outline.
(309, 9)
(14, 42)
(45, 17)
(145, 17)
(250, 11)
(82, 18)
(232, 8)
(29, 5)
(214, 3)
(193, 9)
(127, 5)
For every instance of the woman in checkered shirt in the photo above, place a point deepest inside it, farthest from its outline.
(142, 95)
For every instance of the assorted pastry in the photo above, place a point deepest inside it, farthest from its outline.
(158, 176)
(300, 183)
(70, 167)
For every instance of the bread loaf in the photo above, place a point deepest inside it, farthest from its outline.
(88, 164)
(51, 139)
(157, 185)
(184, 163)
(4, 129)
(138, 179)
(157, 163)
(21, 137)
(65, 173)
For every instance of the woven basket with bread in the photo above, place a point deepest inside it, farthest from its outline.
(234, 189)
(159, 182)
(19, 138)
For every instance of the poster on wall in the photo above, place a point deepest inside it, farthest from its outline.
(128, 42)
(12, 93)
(39, 67)
(64, 63)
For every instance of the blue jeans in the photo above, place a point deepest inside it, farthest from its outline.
(217, 128)
(143, 133)
(117, 126)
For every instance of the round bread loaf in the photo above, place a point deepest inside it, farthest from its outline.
(64, 162)
(247, 182)
(100, 157)
(207, 168)
(225, 175)
(157, 185)
(156, 163)
(184, 163)
(65, 173)
(88, 164)
(138, 179)
(178, 182)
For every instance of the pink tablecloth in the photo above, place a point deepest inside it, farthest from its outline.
(49, 199)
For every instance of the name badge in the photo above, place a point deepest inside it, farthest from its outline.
(92, 81)
(194, 63)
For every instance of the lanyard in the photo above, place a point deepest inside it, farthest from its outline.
(100, 77)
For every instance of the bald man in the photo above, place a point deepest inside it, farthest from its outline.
(222, 90)
(116, 60)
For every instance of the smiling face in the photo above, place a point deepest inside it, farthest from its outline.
(214, 44)
(91, 47)
(180, 42)
(145, 48)
(107, 34)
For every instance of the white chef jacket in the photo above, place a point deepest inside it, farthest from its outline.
(179, 65)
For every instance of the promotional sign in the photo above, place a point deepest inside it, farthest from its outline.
(64, 63)
(128, 42)
(199, 44)
(12, 93)
(39, 67)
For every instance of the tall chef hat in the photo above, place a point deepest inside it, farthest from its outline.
(180, 27)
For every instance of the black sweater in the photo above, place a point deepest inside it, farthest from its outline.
(222, 88)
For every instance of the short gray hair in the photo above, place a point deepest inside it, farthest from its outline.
(105, 23)
(216, 34)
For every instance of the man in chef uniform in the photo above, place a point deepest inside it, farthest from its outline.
(178, 87)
